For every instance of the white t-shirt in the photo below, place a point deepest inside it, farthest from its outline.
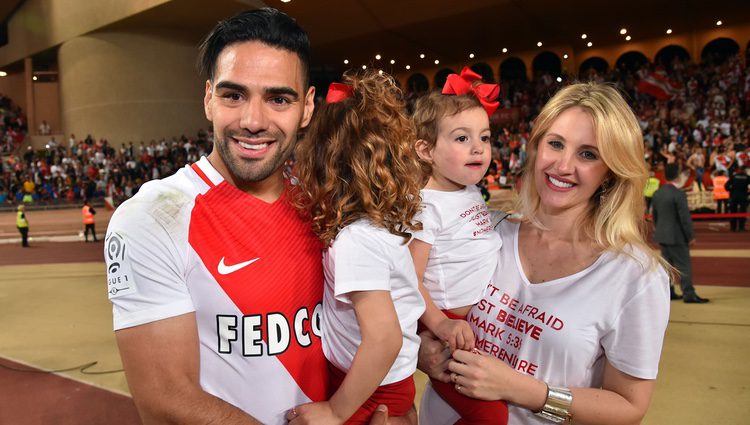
(464, 246)
(248, 269)
(368, 258)
(560, 331)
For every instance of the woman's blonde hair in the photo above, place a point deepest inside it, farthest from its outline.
(614, 218)
(357, 160)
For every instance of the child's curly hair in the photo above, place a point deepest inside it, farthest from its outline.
(357, 160)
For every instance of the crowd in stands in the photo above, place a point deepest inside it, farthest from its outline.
(92, 168)
(12, 125)
(701, 123)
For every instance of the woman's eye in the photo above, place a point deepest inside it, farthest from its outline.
(555, 144)
(589, 155)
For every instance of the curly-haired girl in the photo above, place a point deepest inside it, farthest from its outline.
(360, 180)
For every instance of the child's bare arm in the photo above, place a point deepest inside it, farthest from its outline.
(381, 343)
(457, 333)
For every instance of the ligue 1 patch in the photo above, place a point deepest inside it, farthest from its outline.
(119, 275)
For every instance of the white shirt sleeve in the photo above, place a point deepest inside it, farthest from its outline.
(145, 268)
(429, 216)
(634, 343)
(361, 263)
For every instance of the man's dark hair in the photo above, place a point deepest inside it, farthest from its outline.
(267, 25)
(671, 171)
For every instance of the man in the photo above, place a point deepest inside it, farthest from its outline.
(44, 128)
(737, 188)
(22, 223)
(721, 196)
(88, 220)
(216, 282)
(674, 232)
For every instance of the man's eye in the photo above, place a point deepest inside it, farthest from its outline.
(233, 96)
(279, 100)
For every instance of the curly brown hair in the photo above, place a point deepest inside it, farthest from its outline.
(357, 160)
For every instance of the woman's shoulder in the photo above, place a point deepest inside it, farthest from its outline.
(505, 222)
(637, 263)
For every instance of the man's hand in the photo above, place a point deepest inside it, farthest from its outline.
(381, 417)
(314, 413)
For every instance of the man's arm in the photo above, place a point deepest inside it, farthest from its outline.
(161, 361)
(683, 214)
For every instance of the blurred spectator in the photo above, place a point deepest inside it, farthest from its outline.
(44, 128)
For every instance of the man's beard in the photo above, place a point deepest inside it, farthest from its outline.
(245, 170)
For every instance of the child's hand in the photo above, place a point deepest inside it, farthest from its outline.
(314, 413)
(457, 333)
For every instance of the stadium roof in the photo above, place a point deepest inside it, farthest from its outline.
(448, 30)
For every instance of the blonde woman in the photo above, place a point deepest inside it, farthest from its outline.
(573, 322)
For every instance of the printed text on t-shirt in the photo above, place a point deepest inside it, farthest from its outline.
(508, 321)
(479, 215)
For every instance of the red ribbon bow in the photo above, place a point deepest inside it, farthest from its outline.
(464, 84)
(338, 92)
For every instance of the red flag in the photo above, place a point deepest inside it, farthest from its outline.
(657, 85)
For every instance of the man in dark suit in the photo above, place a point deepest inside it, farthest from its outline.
(674, 232)
(737, 188)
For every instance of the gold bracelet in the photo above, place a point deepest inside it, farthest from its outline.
(557, 406)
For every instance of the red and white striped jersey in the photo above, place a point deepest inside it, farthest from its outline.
(250, 271)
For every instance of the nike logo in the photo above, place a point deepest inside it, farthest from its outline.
(223, 269)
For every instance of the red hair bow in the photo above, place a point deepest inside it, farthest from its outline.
(338, 92)
(464, 84)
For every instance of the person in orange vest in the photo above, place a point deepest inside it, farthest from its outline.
(88, 220)
(721, 196)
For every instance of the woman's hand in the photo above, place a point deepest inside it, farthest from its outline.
(478, 375)
(433, 357)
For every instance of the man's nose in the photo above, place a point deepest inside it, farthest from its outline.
(254, 116)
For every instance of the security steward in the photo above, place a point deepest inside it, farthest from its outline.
(88, 220)
(23, 225)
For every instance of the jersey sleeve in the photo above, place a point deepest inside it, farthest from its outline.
(634, 343)
(146, 268)
(362, 263)
(429, 216)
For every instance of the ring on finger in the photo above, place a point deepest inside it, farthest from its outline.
(458, 387)
(294, 412)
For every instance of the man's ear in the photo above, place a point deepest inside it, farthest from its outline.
(207, 101)
(309, 107)
(424, 150)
